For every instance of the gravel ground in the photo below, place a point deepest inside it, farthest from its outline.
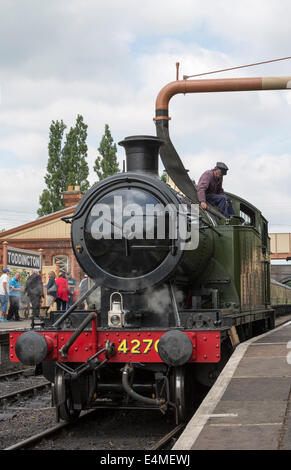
(106, 430)
(17, 423)
(103, 430)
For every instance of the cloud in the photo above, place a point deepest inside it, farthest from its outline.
(80, 38)
(19, 191)
(263, 181)
(26, 147)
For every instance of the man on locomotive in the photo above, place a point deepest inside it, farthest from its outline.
(210, 190)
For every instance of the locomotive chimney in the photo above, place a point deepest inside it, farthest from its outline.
(142, 153)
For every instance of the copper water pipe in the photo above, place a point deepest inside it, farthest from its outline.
(216, 85)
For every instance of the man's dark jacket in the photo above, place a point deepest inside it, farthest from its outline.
(209, 184)
(34, 286)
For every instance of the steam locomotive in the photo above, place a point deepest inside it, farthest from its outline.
(173, 288)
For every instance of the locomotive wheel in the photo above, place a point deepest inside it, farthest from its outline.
(182, 391)
(63, 398)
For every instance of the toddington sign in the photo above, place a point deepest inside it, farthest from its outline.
(23, 259)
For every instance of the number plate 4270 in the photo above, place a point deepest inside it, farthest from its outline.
(137, 346)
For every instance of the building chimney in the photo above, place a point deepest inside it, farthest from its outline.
(72, 196)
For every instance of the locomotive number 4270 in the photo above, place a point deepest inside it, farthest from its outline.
(136, 346)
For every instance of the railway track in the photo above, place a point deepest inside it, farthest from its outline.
(17, 374)
(171, 436)
(24, 392)
(52, 431)
(17, 382)
(36, 438)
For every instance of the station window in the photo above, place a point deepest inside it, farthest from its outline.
(64, 262)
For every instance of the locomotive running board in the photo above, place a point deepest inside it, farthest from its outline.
(233, 336)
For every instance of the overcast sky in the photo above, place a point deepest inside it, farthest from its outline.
(107, 60)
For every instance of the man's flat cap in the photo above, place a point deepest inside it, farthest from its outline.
(222, 167)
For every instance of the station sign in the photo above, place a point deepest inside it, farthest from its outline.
(23, 259)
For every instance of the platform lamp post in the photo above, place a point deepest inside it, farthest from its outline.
(40, 250)
(5, 244)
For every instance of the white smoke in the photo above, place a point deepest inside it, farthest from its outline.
(159, 300)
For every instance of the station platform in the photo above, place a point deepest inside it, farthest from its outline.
(249, 406)
(14, 325)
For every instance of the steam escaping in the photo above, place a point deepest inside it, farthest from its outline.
(94, 299)
(159, 299)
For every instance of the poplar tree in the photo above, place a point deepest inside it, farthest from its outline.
(106, 163)
(67, 164)
(74, 155)
(51, 199)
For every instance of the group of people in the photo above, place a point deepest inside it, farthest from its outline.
(60, 290)
(9, 290)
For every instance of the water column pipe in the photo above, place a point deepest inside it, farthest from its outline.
(171, 160)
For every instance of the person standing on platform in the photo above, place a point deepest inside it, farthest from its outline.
(34, 290)
(14, 298)
(72, 283)
(4, 287)
(62, 292)
(51, 290)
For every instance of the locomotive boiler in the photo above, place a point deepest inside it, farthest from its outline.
(173, 288)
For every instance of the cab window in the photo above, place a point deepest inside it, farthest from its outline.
(248, 215)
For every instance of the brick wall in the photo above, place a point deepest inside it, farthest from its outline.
(51, 248)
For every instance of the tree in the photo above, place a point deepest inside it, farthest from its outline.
(51, 199)
(74, 154)
(164, 177)
(66, 166)
(106, 163)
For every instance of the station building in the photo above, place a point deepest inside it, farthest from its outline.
(51, 236)
(280, 252)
